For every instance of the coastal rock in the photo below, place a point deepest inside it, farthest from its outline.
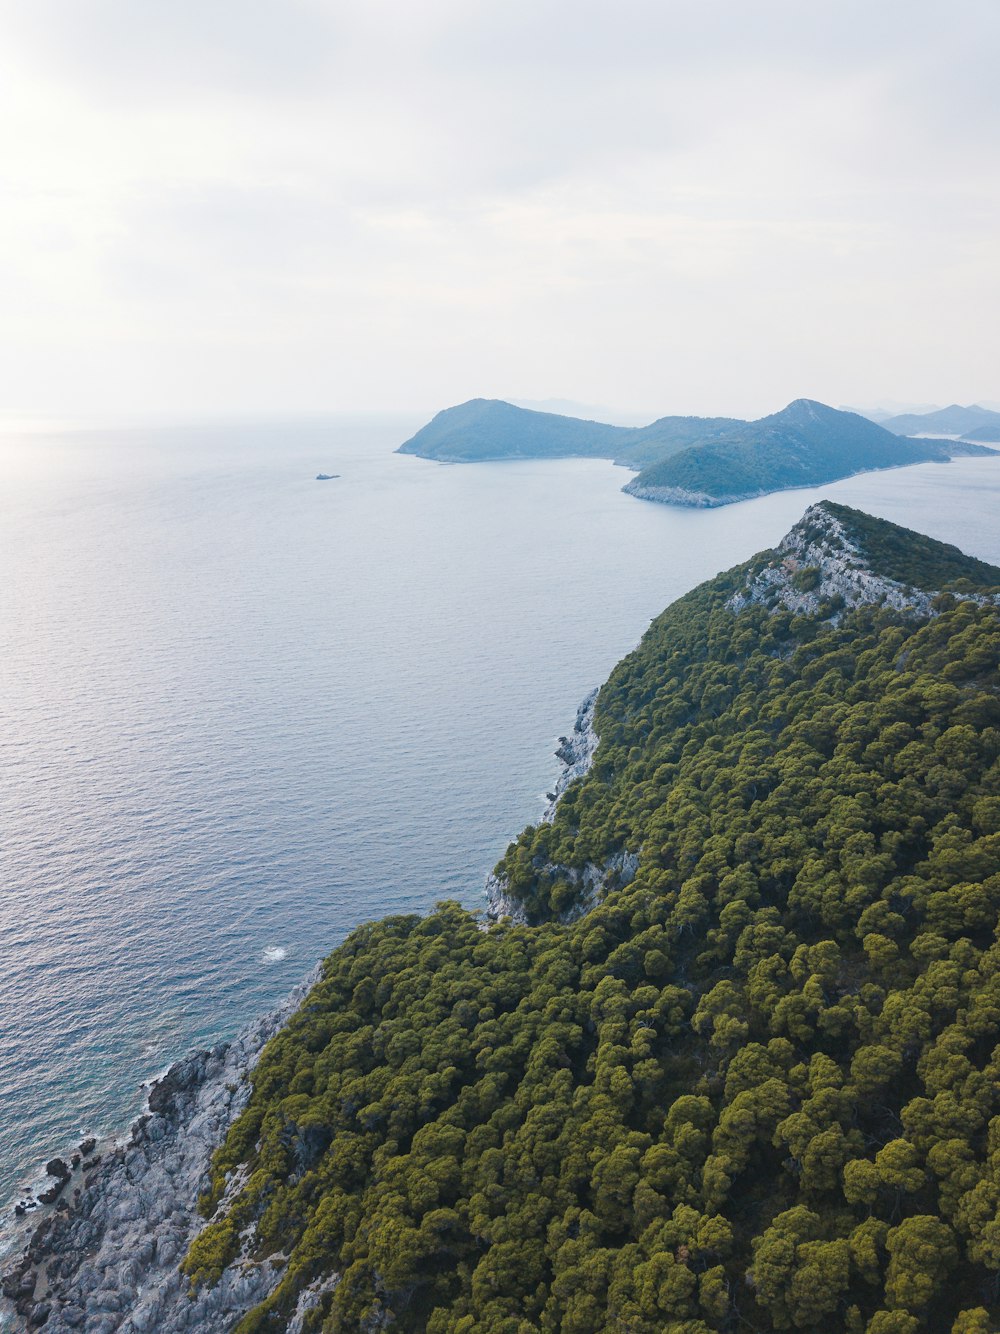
(818, 569)
(680, 495)
(108, 1261)
(577, 754)
(816, 563)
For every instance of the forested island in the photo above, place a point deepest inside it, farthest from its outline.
(488, 429)
(728, 1061)
(700, 461)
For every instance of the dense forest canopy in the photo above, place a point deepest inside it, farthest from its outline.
(755, 1088)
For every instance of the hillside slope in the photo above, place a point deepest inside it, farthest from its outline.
(986, 435)
(806, 444)
(490, 429)
(756, 1087)
(684, 460)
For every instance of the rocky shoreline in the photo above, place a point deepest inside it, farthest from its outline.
(111, 1229)
(104, 1257)
(680, 495)
(577, 754)
(575, 751)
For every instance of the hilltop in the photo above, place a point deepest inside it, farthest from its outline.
(838, 558)
(986, 435)
(806, 444)
(490, 429)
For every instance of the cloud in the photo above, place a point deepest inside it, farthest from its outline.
(253, 204)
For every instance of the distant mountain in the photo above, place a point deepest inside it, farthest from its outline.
(806, 444)
(986, 435)
(671, 435)
(685, 460)
(953, 420)
(881, 412)
(488, 428)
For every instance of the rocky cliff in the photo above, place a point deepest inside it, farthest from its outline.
(105, 1257)
(821, 565)
(577, 754)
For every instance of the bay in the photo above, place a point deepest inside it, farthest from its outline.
(242, 711)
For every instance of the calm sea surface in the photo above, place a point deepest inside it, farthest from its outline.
(242, 711)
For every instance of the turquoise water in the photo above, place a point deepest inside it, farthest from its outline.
(242, 711)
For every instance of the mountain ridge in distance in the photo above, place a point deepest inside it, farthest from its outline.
(489, 429)
(952, 420)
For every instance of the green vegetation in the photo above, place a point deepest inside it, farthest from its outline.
(756, 1088)
(805, 580)
(491, 429)
(806, 444)
(911, 558)
(715, 457)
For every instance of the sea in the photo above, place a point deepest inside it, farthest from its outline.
(243, 710)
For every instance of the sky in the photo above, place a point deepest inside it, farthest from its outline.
(302, 206)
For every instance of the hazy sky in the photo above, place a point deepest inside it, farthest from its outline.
(699, 206)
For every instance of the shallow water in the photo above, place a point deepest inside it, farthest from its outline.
(242, 711)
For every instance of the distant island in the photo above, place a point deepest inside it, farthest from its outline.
(987, 435)
(488, 429)
(806, 444)
(327, 476)
(700, 461)
(971, 423)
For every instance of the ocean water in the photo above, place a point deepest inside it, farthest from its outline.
(242, 711)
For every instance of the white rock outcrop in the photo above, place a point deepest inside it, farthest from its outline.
(577, 754)
(817, 564)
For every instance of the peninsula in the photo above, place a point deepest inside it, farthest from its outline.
(725, 1055)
